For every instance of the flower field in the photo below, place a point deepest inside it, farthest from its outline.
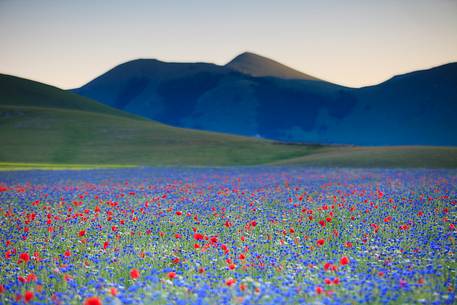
(264, 235)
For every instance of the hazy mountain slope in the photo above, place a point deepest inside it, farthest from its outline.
(413, 109)
(417, 108)
(216, 98)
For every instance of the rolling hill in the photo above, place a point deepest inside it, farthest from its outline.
(255, 96)
(44, 124)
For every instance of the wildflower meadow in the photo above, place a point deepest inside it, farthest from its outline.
(259, 235)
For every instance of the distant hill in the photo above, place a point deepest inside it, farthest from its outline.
(255, 96)
(256, 65)
(44, 124)
(21, 92)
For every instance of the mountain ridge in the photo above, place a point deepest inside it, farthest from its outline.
(217, 98)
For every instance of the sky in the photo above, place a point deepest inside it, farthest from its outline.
(352, 43)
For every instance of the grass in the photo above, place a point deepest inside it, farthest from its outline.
(16, 91)
(9, 166)
(66, 136)
(383, 157)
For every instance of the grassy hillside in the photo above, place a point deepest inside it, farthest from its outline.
(16, 91)
(49, 135)
(387, 156)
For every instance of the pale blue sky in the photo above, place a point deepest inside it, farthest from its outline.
(355, 43)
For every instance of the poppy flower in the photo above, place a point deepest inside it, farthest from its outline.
(344, 261)
(93, 301)
(134, 273)
(229, 282)
(113, 291)
(320, 242)
(28, 296)
(171, 275)
(24, 257)
(198, 236)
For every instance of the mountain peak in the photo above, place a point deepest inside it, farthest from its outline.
(257, 65)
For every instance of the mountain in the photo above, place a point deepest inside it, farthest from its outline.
(44, 124)
(256, 65)
(45, 127)
(255, 96)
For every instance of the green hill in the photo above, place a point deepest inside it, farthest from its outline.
(44, 124)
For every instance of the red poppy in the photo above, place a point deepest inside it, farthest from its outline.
(171, 275)
(320, 242)
(28, 296)
(230, 282)
(82, 233)
(344, 261)
(113, 291)
(32, 278)
(134, 273)
(93, 301)
(24, 257)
